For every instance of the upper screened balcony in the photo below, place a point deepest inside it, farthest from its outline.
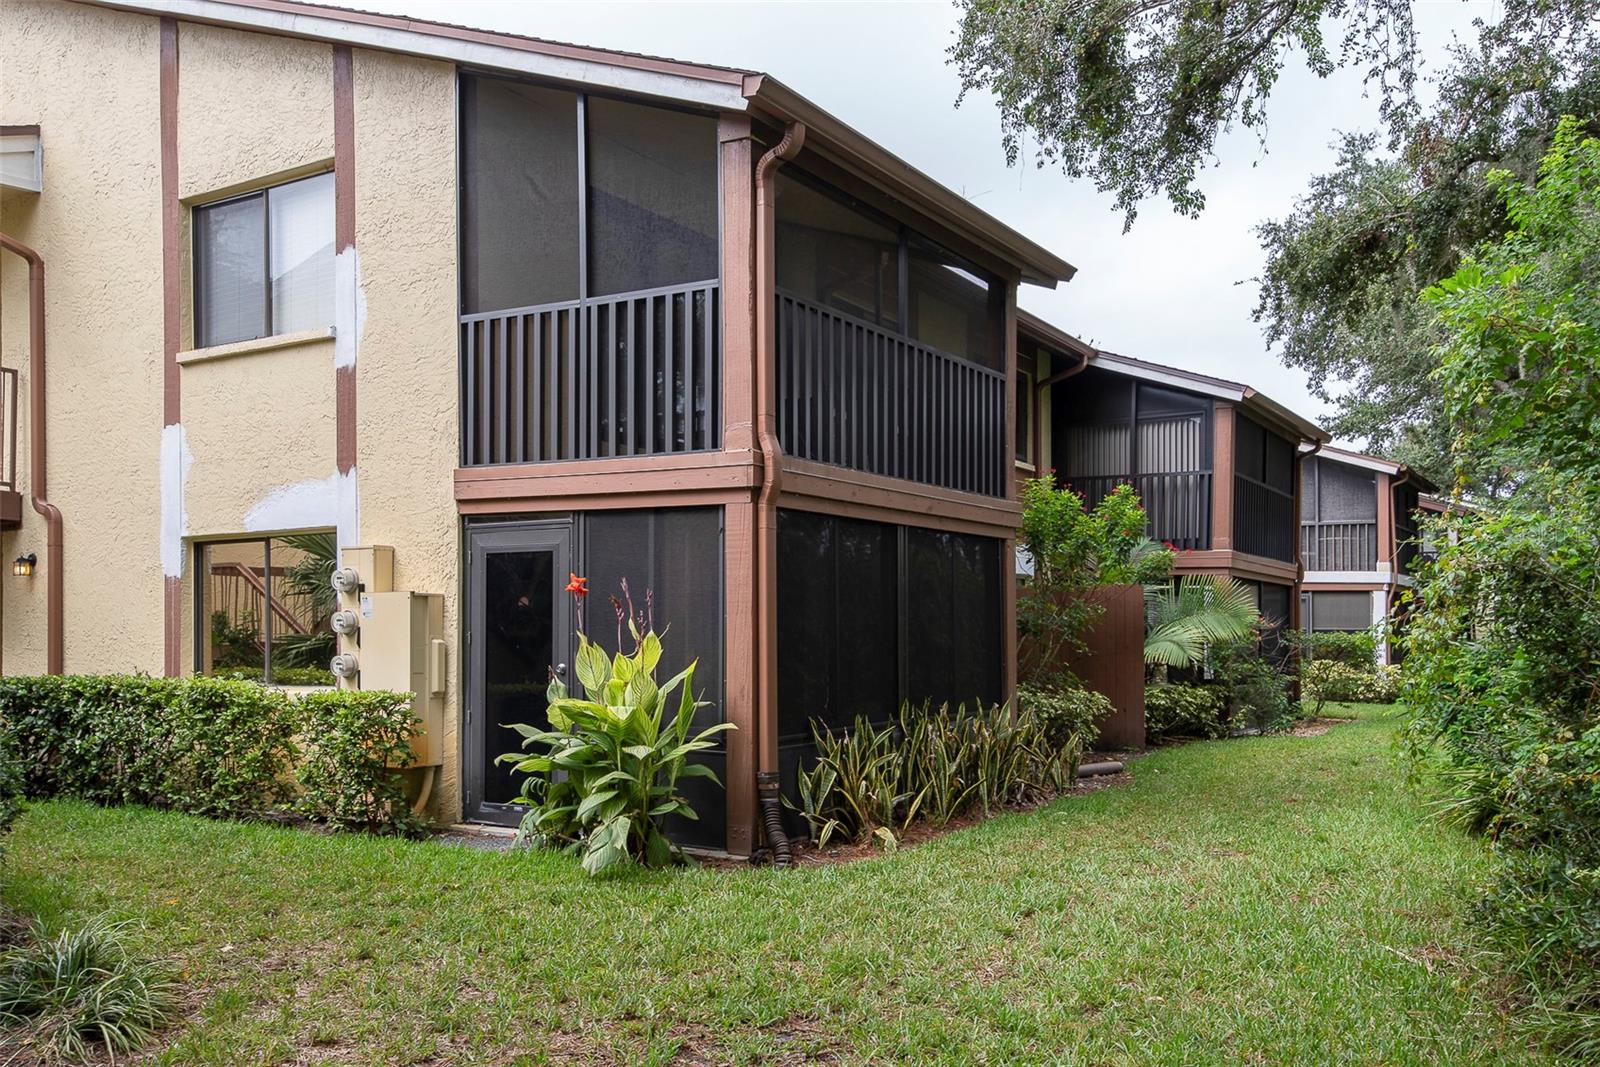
(890, 349)
(590, 264)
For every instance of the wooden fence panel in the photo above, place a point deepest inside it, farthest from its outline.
(1112, 662)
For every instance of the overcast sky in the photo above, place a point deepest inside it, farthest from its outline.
(1173, 290)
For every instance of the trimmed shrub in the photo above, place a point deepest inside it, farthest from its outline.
(1172, 711)
(1065, 710)
(280, 675)
(1355, 649)
(354, 744)
(1325, 680)
(207, 746)
(10, 790)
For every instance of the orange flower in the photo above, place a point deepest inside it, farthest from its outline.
(578, 586)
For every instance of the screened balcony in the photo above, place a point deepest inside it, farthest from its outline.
(1338, 516)
(1111, 430)
(590, 296)
(1263, 491)
(889, 351)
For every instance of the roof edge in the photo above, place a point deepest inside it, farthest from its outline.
(1039, 265)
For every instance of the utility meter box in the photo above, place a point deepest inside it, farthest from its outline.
(402, 649)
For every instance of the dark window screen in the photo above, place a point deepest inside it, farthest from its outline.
(519, 195)
(1308, 489)
(830, 252)
(1344, 611)
(676, 554)
(1249, 445)
(1279, 463)
(1274, 601)
(838, 612)
(1346, 494)
(652, 197)
(953, 628)
(951, 304)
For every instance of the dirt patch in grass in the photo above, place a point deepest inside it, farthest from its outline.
(1316, 727)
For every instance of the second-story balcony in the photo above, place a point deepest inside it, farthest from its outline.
(1339, 546)
(853, 394)
(1177, 504)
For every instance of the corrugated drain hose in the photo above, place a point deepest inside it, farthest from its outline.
(772, 818)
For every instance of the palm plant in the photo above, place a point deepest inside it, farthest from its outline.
(308, 582)
(1183, 619)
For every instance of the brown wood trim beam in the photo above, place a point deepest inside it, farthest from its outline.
(648, 498)
(1343, 587)
(171, 313)
(612, 483)
(1236, 564)
(344, 239)
(912, 503)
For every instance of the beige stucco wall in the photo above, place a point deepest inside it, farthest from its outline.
(406, 374)
(89, 77)
(250, 106)
(259, 427)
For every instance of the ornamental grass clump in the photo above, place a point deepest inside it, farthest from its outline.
(81, 993)
(603, 778)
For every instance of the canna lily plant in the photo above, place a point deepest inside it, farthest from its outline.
(604, 777)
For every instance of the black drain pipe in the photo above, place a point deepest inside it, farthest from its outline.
(772, 819)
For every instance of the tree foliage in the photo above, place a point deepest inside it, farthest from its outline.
(1503, 666)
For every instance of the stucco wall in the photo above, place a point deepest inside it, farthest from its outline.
(260, 428)
(89, 78)
(406, 376)
(249, 106)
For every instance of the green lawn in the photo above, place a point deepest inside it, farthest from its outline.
(1267, 901)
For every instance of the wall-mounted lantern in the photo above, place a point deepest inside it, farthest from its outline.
(22, 566)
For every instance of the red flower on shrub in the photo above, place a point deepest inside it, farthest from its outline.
(578, 586)
(1170, 546)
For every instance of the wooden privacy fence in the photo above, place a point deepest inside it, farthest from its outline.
(1111, 662)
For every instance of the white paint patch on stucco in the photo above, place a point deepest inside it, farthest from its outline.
(349, 505)
(319, 502)
(298, 506)
(349, 308)
(176, 459)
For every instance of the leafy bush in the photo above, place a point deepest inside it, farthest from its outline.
(1174, 710)
(931, 765)
(1325, 680)
(1504, 635)
(82, 992)
(1257, 681)
(1074, 549)
(606, 777)
(206, 745)
(1065, 710)
(1352, 649)
(354, 744)
(11, 783)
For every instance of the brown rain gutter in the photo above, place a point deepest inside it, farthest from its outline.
(766, 530)
(54, 586)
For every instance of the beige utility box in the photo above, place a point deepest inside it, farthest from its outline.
(401, 642)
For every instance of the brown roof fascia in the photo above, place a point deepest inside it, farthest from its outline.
(453, 31)
(859, 153)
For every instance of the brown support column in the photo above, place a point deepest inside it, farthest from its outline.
(1299, 563)
(1008, 567)
(1222, 477)
(737, 153)
(171, 317)
(1385, 520)
(344, 239)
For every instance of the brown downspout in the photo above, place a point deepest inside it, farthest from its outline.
(1038, 391)
(766, 531)
(54, 586)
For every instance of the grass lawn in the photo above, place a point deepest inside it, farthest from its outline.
(1277, 900)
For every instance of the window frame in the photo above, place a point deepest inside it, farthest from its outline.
(197, 260)
(1027, 418)
(202, 615)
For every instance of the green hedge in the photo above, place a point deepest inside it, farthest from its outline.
(212, 746)
(1174, 710)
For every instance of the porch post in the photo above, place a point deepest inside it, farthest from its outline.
(1222, 478)
(736, 154)
(1008, 549)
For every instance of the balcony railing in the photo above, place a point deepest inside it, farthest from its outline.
(855, 395)
(1339, 546)
(1177, 505)
(636, 374)
(1263, 519)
